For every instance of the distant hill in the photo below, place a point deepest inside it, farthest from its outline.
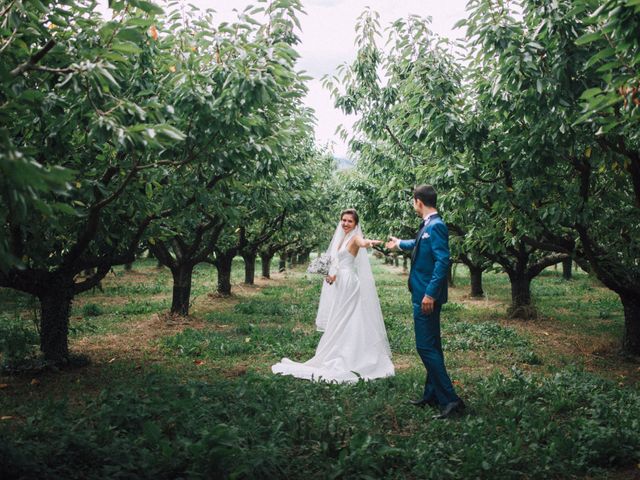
(344, 163)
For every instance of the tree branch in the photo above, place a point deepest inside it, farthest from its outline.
(537, 268)
(397, 141)
(550, 245)
(91, 227)
(503, 262)
(40, 68)
(605, 267)
(9, 40)
(107, 200)
(31, 63)
(466, 259)
(92, 281)
(634, 159)
(211, 244)
(161, 252)
(6, 10)
(29, 281)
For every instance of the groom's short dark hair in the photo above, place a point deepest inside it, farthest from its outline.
(426, 194)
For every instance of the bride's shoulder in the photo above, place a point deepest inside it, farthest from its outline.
(356, 240)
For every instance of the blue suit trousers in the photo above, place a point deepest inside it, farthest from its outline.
(438, 385)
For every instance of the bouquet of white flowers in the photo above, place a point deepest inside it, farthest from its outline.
(320, 265)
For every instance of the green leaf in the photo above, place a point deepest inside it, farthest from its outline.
(607, 52)
(107, 29)
(171, 132)
(591, 92)
(58, 20)
(32, 96)
(140, 22)
(105, 73)
(130, 34)
(608, 66)
(149, 7)
(65, 208)
(460, 23)
(607, 101)
(588, 38)
(584, 117)
(126, 47)
(606, 128)
(114, 57)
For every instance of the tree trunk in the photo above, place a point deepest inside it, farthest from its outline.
(405, 263)
(249, 267)
(631, 335)
(521, 297)
(476, 281)
(265, 258)
(55, 307)
(282, 265)
(566, 268)
(128, 267)
(291, 260)
(450, 275)
(223, 266)
(182, 275)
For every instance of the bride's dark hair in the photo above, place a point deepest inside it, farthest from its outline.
(352, 212)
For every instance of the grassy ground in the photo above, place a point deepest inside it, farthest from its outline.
(169, 397)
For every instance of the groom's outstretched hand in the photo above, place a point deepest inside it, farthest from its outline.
(392, 243)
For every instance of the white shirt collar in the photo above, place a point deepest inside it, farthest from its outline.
(429, 215)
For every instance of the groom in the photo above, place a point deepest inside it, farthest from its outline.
(428, 287)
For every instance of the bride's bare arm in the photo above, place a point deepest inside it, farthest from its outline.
(359, 242)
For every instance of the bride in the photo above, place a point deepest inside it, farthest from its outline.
(354, 344)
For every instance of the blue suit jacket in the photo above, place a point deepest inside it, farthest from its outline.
(430, 261)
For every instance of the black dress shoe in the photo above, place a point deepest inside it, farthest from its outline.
(422, 403)
(451, 409)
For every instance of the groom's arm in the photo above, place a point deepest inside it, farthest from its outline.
(395, 242)
(406, 244)
(440, 248)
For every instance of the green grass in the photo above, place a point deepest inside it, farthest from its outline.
(201, 402)
(243, 339)
(271, 427)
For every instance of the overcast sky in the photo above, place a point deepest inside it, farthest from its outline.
(328, 36)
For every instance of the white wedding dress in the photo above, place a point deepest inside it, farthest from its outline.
(354, 344)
